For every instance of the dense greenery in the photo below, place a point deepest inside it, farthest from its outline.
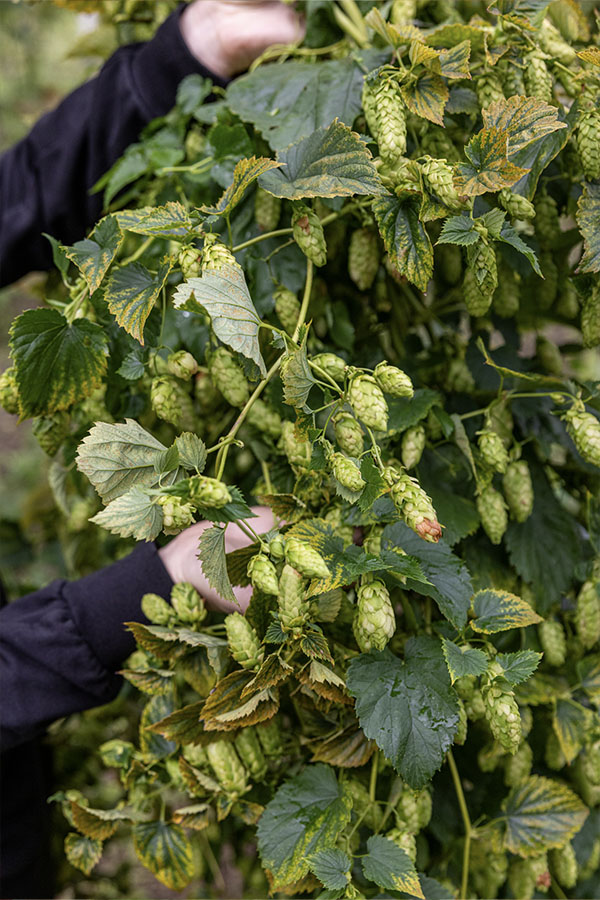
(360, 287)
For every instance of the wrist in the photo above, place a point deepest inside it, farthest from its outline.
(199, 28)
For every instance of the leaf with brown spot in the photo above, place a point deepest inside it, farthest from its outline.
(488, 167)
(246, 171)
(348, 749)
(197, 817)
(225, 709)
(198, 784)
(272, 672)
(427, 97)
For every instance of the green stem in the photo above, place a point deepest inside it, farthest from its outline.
(409, 613)
(305, 300)
(266, 475)
(212, 862)
(466, 821)
(140, 250)
(558, 890)
(194, 168)
(347, 25)
(373, 780)
(324, 375)
(280, 232)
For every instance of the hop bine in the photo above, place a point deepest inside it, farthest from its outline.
(374, 622)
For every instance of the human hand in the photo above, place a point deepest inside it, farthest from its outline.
(227, 35)
(179, 558)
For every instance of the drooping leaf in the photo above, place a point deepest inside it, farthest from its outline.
(509, 235)
(527, 13)
(132, 291)
(390, 867)
(540, 815)
(298, 379)
(571, 724)
(98, 824)
(94, 255)
(198, 816)
(132, 368)
(488, 167)
(463, 661)
(225, 297)
(192, 451)
(211, 553)
(499, 611)
(306, 814)
(405, 238)
(132, 514)
(426, 97)
(82, 852)
(169, 221)
(166, 851)
(150, 681)
(588, 217)
(590, 54)
(454, 62)
(408, 708)
(458, 230)
(518, 666)
(57, 363)
(332, 868)
(245, 173)
(183, 726)
(331, 162)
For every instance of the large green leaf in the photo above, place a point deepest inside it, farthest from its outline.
(134, 514)
(540, 815)
(408, 708)
(307, 813)
(390, 867)
(500, 611)
(405, 238)
(211, 553)
(331, 162)
(332, 868)
(588, 219)
(427, 96)
(488, 167)
(131, 293)
(404, 412)
(166, 851)
(246, 171)
(463, 661)
(571, 723)
(94, 255)
(82, 852)
(169, 221)
(57, 363)
(225, 297)
(117, 457)
(459, 230)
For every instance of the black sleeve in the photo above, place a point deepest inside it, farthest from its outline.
(46, 177)
(60, 647)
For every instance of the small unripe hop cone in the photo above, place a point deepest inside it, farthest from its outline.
(368, 403)
(243, 641)
(263, 574)
(584, 428)
(205, 491)
(416, 508)
(518, 490)
(177, 514)
(228, 377)
(347, 473)
(305, 559)
(348, 434)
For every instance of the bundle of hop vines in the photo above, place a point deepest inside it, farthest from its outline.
(361, 288)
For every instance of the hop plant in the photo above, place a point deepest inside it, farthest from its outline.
(363, 257)
(476, 301)
(182, 365)
(263, 574)
(393, 381)
(215, 255)
(297, 450)
(489, 89)
(588, 134)
(518, 490)
(51, 431)
(367, 401)
(518, 767)
(385, 114)
(517, 206)
(156, 609)
(347, 472)
(554, 44)
(584, 428)
(171, 402)
(374, 622)
(269, 737)
(187, 603)
(416, 508)
(287, 307)
(244, 644)
(362, 805)
(227, 766)
(413, 444)
(228, 377)
(405, 840)
(305, 559)
(590, 315)
(538, 80)
(492, 512)
(489, 866)
(554, 642)
(265, 419)
(308, 234)
(587, 613)
(332, 365)
(482, 261)
(293, 608)
(9, 391)
(438, 176)
(190, 262)
(493, 451)
(206, 394)
(564, 865)
(177, 514)
(348, 434)
(547, 226)
(250, 752)
(267, 210)
(209, 492)
(549, 356)
(502, 714)
(525, 875)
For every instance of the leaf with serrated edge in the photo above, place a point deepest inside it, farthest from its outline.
(171, 220)
(211, 553)
(390, 867)
(458, 230)
(588, 671)
(82, 852)
(192, 451)
(588, 217)
(246, 171)
(224, 295)
(427, 97)
(488, 167)
(540, 815)
(571, 724)
(348, 749)
(297, 378)
(307, 813)
(198, 816)
(454, 63)
(150, 681)
(508, 235)
(499, 611)
(519, 666)
(166, 851)
(131, 293)
(405, 239)
(133, 514)
(332, 867)
(463, 660)
(99, 824)
(221, 710)
(182, 726)
(590, 54)
(94, 255)
(524, 120)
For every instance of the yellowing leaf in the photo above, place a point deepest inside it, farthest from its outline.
(499, 611)
(166, 851)
(131, 293)
(588, 219)
(421, 53)
(171, 220)
(571, 724)
(390, 34)
(133, 514)
(390, 867)
(426, 97)
(246, 171)
(405, 239)
(488, 168)
(525, 120)
(94, 255)
(590, 55)
(82, 852)
(454, 63)
(540, 815)
(348, 749)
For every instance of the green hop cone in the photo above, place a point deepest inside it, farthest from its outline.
(348, 434)
(518, 490)
(190, 262)
(156, 609)
(438, 177)
(461, 732)
(492, 512)
(171, 402)
(405, 840)
(194, 143)
(513, 81)
(554, 642)
(374, 621)
(50, 431)
(277, 548)
(476, 301)
(362, 805)
(372, 542)
(584, 429)
(488, 866)
(525, 876)
(293, 608)
(308, 234)
(263, 574)
(393, 381)
(424, 809)
(587, 613)
(368, 403)
(502, 714)
(297, 450)
(493, 451)
(482, 261)
(590, 315)
(287, 307)
(553, 43)
(385, 114)
(227, 766)
(518, 767)
(209, 492)
(177, 514)
(9, 391)
(458, 374)
(228, 377)
(182, 364)
(187, 603)
(547, 226)
(269, 736)
(407, 810)
(489, 89)
(517, 207)
(265, 419)
(538, 80)
(501, 421)
(267, 210)
(244, 644)
(564, 865)
(413, 444)
(207, 396)
(305, 559)
(347, 472)
(490, 756)
(215, 255)
(416, 508)
(363, 257)
(250, 752)
(332, 365)
(588, 144)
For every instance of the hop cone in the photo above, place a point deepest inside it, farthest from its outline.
(459, 376)
(385, 114)
(206, 394)
(476, 301)
(547, 226)
(493, 451)
(308, 234)
(513, 81)
(182, 364)
(438, 176)
(393, 381)
(547, 289)
(156, 609)
(187, 603)
(297, 450)
(374, 622)
(305, 559)
(553, 754)
(177, 514)
(538, 80)
(250, 752)
(368, 403)
(416, 508)
(564, 865)
(293, 608)
(489, 89)
(584, 428)
(554, 642)
(227, 766)
(194, 143)
(502, 714)
(501, 421)
(266, 210)
(363, 257)
(590, 315)
(270, 738)
(405, 840)
(332, 365)
(205, 491)
(171, 402)
(516, 206)
(587, 613)
(372, 542)
(215, 255)
(243, 641)
(492, 512)
(50, 431)
(518, 767)
(413, 444)
(407, 810)
(348, 434)
(482, 260)
(549, 356)
(518, 490)
(553, 44)
(489, 867)
(190, 262)
(490, 755)
(9, 391)
(588, 144)
(228, 377)
(263, 574)
(264, 418)
(461, 732)
(347, 472)
(287, 307)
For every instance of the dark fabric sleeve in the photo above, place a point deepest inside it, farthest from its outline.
(46, 177)
(60, 647)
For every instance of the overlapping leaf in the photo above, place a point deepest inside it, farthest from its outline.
(245, 173)
(133, 514)
(540, 815)
(169, 221)
(131, 293)
(82, 852)
(94, 255)
(463, 661)
(427, 96)
(405, 238)
(390, 867)
(488, 167)
(500, 610)
(166, 850)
